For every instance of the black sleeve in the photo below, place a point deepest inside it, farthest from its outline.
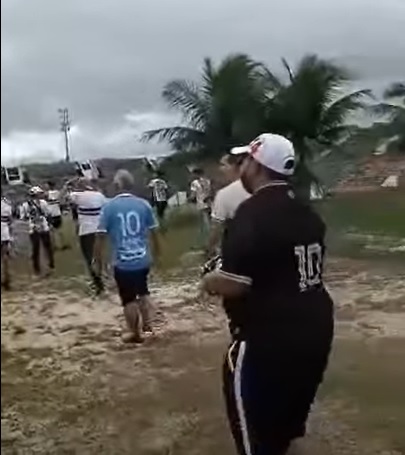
(240, 247)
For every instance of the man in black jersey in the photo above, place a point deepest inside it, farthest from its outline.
(280, 314)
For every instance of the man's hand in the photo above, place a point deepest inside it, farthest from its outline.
(205, 285)
(219, 283)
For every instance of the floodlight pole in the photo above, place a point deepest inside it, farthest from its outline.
(65, 128)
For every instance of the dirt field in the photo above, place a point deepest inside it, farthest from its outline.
(70, 386)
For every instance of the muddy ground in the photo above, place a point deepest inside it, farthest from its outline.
(71, 387)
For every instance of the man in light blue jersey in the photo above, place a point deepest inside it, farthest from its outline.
(130, 224)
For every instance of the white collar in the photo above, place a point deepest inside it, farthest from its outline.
(124, 195)
(270, 184)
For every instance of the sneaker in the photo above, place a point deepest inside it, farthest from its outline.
(147, 328)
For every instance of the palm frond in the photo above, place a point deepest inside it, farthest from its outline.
(289, 69)
(271, 83)
(388, 110)
(208, 76)
(336, 113)
(395, 90)
(184, 96)
(335, 135)
(173, 135)
(314, 88)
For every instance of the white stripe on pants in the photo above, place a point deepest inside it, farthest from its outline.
(239, 399)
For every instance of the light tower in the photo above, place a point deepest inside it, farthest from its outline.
(65, 128)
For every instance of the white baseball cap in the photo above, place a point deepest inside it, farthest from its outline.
(36, 190)
(272, 151)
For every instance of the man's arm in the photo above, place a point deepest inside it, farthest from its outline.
(154, 237)
(236, 274)
(216, 230)
(100, 244)
(192, 196)
(23, 212)
(156, 244)
(219, 215)
(224, 284)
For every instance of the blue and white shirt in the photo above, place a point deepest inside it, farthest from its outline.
(127, 220)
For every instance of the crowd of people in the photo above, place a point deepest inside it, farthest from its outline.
(264, 248)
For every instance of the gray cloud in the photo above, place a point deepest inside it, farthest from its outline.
(106, 58)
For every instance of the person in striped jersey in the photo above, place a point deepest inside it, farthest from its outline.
(88, 201)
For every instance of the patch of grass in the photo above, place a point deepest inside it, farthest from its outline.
(178, 235)
(381, 212)
(367, 379)
(379, 216)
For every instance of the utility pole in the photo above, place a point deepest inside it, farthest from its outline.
(65, 128)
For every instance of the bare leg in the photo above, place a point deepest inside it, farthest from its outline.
(133, 320)
(146, 308)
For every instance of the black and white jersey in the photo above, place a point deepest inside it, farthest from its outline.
(159, 190)
(88, 205)
(275, 244)
(36, 212)
(53, 199)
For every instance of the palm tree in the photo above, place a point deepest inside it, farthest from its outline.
(219, 112)
(241, 98)
(311, 107)
(393, 108)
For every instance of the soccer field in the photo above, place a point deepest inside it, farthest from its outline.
(70, 386)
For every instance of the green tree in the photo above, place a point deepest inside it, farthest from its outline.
(312, 107)
(393, 109)
(241, 98)
(219, 112)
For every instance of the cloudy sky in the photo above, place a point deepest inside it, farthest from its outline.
(106, 60)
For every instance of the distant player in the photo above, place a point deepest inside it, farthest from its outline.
(36, 212)
(128, 222)
(201, 195)
(227, 199)
(88, 201)
(160, 192)
(6, 238)
(53, 197)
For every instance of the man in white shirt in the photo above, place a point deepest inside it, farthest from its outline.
(36, 211)
(201, 195)
(159, 189)
(227, 200)
(54, 202)
(6, 221)
(88, 202)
